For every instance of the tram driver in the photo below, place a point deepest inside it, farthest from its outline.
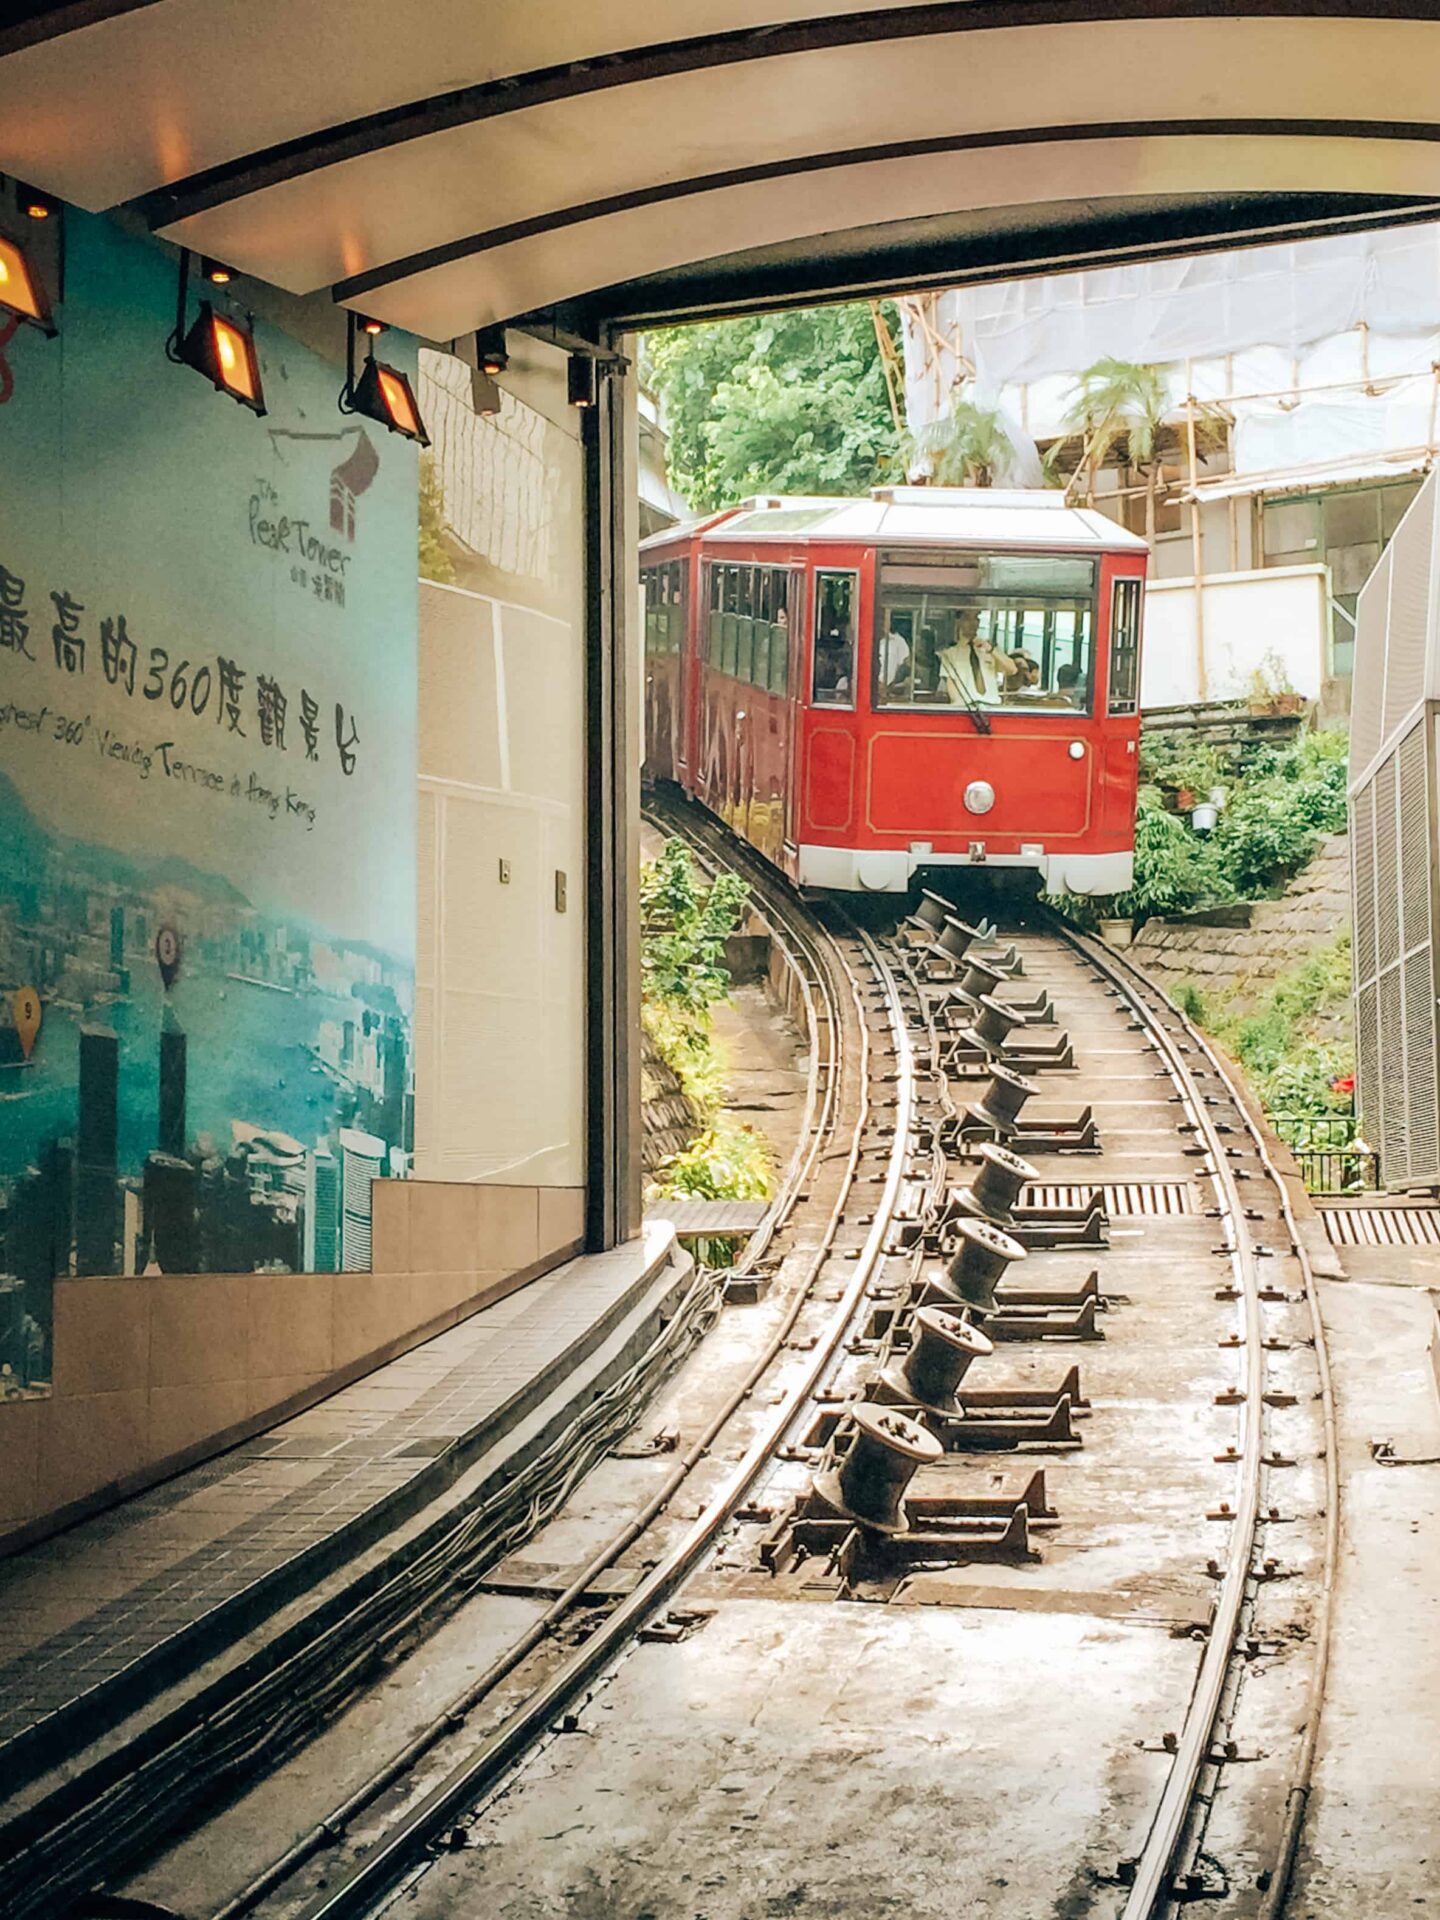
(973, 669)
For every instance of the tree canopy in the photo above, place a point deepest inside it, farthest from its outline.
(775, 403)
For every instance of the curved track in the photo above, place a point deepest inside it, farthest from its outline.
(1210, 1804)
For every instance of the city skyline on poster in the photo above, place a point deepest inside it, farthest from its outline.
(207, 862)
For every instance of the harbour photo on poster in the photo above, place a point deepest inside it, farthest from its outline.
(207, 875)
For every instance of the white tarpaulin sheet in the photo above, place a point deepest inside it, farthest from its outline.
(1257, 321)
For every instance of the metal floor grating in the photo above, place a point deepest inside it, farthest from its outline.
(1382, 1226)
(1123, 1198)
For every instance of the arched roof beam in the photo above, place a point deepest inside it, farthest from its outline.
(30, 26)
(359, 285)
(514, 93)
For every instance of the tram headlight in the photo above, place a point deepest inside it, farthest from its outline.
(979, 796)
(1076, 749)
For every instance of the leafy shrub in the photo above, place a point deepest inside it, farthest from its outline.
(1281, 801)
(1292, 1066)
(1276, 819)
(1191, 1002)
(1175, 867)
(729, 1162)
(684, 924)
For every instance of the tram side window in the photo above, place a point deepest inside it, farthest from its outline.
(714, 619)
(744, 623)
(1125, 647)
(833, 683)
(747, 624)
(664, 606)
(984, 629)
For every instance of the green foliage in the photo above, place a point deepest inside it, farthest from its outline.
(774, 403)
(1191, 1002)
(1117, 399)
(1175, 867)
(1281, 801)
(683, 1043)
(1287, 1057)
(1277, 817)
(435, 561)
(685, 923)
(729, 1162)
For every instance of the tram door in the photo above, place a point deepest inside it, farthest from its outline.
(684, 669)
(665, 599)
(792, 689)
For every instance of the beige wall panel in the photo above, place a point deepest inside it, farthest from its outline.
(500, 978)
(459, 693)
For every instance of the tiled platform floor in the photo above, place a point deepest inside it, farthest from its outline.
(79, 1609)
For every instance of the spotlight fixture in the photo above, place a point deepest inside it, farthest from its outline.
(484, 393)
(491, 354)
(219, 345)
(581, 384)
(381, 393)
(22, 292)
(34, 204)
(216, 273)
(374, 328)
(223, 349)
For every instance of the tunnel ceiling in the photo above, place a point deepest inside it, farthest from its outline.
(446, 165)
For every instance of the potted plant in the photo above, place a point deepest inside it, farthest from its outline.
(1270, 689)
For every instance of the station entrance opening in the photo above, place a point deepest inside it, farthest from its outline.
(298, 198)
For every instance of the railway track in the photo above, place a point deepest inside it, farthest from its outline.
(786, 1505)
(812, 1254)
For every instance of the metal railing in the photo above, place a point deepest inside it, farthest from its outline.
(1331, 1156)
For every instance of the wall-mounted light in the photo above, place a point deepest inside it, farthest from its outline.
(22, 291)
(219, 345)
(223, 350)
(582, 387)
(216, 272)
(374, 328)
(381, 393)
(484, 393)
(34, 204)
(492, 356)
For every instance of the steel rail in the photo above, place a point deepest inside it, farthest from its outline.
(1297, 1798)
(369, 1879)
(1156, 1860)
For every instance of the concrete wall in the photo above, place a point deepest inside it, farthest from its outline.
(1275, 621)
(156, 1371)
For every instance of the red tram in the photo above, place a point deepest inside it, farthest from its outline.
(931, 677)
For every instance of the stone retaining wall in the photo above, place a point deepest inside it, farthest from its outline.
(1236, 952)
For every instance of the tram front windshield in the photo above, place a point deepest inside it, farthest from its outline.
(987, 629)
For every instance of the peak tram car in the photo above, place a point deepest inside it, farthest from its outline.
(931, 677)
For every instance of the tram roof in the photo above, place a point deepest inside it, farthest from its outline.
(444, 165)
(915, 516)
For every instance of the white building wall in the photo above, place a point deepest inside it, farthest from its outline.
(1273, 622)
(499, 1081)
